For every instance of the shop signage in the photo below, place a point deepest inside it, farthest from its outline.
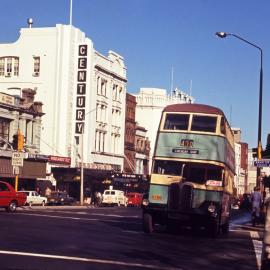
(7, 99)
(81, 89)
(262, 163)
(58, 159)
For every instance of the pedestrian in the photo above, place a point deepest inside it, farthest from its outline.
(38, 191)
(256, 200)
(48, 192)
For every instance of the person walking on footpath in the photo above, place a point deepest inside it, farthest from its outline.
(256, 200)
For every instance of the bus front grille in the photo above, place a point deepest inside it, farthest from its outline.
(180, 196)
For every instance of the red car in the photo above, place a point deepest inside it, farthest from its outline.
(9, 198)
(134, 199)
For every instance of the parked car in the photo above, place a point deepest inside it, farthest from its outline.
(9, 198)
(134, 199)
(114, 197)
(33, 198)
(60, 198)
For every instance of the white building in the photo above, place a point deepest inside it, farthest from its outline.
(237, 177)
(252, 172)
(150, 103)
(77, 86)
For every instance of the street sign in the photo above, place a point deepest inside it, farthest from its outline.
(262, 163)
(16, 170)
(17, 159)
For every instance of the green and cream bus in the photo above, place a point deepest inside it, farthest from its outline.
(193, 170)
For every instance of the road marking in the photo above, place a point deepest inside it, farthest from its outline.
(257, 244)
(78, 218)
(93, 214)
(136, 232)
(81, 259)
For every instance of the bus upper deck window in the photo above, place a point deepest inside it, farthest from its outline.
(176, 121)
(222, 126)
(204, 123)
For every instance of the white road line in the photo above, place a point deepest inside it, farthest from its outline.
(257, 244)
(60, 217)
(78, 218)
(89, 260)
(92, 214)
(135, 232)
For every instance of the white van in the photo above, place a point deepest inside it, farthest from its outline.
(114, 197)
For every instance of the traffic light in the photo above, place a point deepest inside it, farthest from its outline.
(20, 142)
(15, 142)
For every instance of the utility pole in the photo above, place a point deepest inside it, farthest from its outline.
(81, 187)
(19, 160)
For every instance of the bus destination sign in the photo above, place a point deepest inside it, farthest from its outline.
(185, 151)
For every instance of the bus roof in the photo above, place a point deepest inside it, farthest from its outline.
(191, 107)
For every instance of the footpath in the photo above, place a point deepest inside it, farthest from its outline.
(242, 218)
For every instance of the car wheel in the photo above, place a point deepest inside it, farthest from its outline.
(12, 207)
(43, 203)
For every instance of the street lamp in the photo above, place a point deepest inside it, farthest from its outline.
(223, 35)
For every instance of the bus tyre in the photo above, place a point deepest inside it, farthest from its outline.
(148, 223)
(225, 228)
(171, 226)
(213, 228)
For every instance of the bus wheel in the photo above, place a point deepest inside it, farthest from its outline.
(171, 226)
(225, 228)
(214, 228)
(148, 223)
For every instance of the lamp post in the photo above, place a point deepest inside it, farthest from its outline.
(259, 145)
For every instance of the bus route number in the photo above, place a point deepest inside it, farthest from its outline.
(156, 197)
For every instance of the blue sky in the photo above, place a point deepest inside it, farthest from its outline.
(154, 35)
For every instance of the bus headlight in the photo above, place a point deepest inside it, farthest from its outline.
(211, 208)
(145, 202)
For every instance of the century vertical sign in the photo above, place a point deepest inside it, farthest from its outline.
(81, 89)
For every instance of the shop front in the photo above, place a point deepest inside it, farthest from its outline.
(28, 174)
(69, 179)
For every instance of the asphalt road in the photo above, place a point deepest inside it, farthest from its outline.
(111, 238)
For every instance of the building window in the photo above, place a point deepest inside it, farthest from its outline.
(36, 65)
(101, 114)
(102, 86)
(115, 143)
(16, 66)
(114, 93)
(98, 85)
(8, 65)
(4, 128)
(100, 141)
(2, 66)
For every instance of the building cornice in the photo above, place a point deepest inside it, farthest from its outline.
(110, 73)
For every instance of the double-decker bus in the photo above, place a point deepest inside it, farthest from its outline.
(193, 170)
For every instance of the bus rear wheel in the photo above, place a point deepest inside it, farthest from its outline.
(148, 226)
